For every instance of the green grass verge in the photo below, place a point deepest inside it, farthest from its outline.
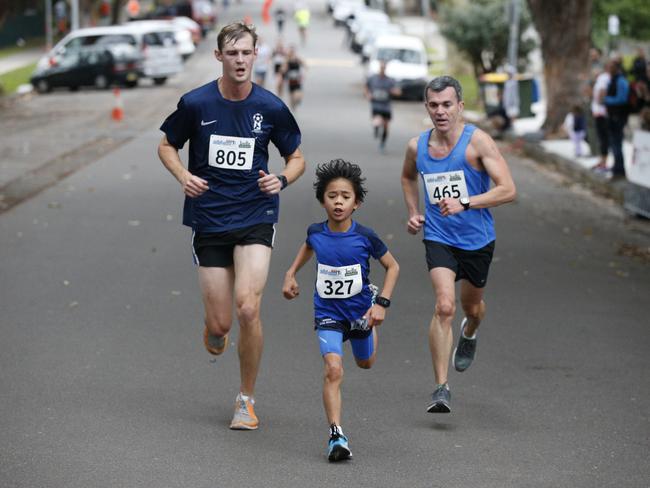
(10, 81)
(470, 91)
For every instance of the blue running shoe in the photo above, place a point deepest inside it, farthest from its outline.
(337, 449)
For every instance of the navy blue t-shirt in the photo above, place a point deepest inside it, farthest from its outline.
(228, 146)
(343, 269)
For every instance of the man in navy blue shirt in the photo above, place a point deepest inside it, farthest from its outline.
(231, 197)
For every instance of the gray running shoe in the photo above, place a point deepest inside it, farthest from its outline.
(440, 400)
(214, 345)
(465, 351)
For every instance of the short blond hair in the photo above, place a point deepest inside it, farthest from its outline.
(234, 32)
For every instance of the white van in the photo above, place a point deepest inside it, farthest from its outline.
(160, 57)
(406, 62)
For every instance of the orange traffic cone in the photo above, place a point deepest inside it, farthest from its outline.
(118, 111)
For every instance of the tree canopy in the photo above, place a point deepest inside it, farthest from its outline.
(480, 30)
(634, 16)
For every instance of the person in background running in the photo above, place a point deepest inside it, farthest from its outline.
(379, 89)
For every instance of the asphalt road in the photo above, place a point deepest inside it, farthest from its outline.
(105, 382)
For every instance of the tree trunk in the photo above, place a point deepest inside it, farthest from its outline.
(564, 27)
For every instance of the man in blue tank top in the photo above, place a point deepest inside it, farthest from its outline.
(456, 162)
(231, 197)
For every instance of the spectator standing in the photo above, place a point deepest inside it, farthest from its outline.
(599, 113)
(616, 101)
(576, 126)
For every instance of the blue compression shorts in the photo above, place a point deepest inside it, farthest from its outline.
(331, 341)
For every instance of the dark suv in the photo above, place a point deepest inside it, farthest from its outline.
(98, 66)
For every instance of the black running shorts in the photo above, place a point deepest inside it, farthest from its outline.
(215, 249)
(469, 265)
(382, 113)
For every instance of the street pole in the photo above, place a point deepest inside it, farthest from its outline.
(75, 14)
(511, 86)
(48, 25)
(513, 40)
(425, 8)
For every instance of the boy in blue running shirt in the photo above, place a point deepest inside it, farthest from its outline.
(344, 307)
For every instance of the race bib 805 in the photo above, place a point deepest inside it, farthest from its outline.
(227, 152)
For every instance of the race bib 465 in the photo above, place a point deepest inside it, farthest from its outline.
(445, 185)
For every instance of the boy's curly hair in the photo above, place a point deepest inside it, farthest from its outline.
(339, 168)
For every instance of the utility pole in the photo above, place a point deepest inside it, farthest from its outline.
(48, 25)
(513, 40)
(511, 86)
(426, 10)
(75, 14)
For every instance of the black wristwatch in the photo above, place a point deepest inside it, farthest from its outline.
(284, 181)
(464, 201)
(382, 302)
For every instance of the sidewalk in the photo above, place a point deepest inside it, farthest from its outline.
(18, 60)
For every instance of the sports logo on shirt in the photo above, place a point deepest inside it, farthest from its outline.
(257, 122)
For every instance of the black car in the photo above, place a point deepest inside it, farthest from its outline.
(101, 67)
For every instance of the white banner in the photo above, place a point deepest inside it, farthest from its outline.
(638, 172)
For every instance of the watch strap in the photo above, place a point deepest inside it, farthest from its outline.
(283, 181)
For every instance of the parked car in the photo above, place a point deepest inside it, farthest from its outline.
(407, 63)
(370, 36)
(345, 10)
(167, 30)
(364, 22)
(160, 57)
(190, 25)
(203, 12)
(98, 66)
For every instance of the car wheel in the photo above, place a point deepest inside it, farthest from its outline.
(42, 86)
(73, 88)
(101, 82)
(159, 81)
